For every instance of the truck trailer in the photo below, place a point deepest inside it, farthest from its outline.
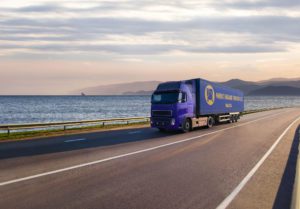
(185, 105)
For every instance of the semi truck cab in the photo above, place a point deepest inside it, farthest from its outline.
(171, 103)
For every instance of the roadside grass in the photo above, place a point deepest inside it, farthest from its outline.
(21, 135)
(71, 130)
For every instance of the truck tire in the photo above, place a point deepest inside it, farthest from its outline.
(187, 125)
(162, 130)
(231, 120)
(236, 118)
(210, 122)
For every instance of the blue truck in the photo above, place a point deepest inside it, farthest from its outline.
(185, 105)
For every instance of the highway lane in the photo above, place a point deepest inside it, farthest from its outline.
(25, 158)
(196, 173)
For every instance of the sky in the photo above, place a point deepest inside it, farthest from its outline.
(57, 46)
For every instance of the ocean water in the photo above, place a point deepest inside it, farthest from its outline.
(32, 109)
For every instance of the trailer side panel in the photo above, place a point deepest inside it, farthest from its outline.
(217, 99)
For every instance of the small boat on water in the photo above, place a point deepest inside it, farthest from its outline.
(83, 94)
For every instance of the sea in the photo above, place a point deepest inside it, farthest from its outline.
(40, 109)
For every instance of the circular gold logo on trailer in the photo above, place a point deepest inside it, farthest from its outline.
(209, 95)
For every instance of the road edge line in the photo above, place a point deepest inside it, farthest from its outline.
(241, 185)
(296, 191)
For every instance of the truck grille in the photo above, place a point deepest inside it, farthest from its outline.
(167, 113)
(161, 122)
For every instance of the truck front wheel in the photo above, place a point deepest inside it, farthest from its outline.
(162, 129)
(187, 125)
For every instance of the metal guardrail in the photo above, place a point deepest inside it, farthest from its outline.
(66, 124)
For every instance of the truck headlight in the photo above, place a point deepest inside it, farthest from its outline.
(173, 121)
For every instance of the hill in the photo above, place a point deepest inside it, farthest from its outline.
(278, 86)
(276, 91)
(279, 80)
(119, 89)
(138, 93)
(244, 86)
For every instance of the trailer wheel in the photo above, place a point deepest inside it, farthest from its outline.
(210, 122)
(187, 125)
(236, 118)
(231, 119)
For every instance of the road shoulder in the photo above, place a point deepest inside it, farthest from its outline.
(272, 185)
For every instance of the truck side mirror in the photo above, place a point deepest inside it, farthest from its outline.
(184, 97)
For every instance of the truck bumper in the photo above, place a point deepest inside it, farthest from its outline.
(165, 123)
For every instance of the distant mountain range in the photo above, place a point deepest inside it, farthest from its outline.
(272, 87)
(142, 87)
(268, 87)
(276, 91)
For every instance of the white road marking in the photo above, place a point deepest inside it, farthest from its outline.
(235, 192)
(134, 132)
(131, 153)
(74, 140)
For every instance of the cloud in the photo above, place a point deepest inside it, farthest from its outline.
(140, 26)
(37, 28)
(40, 8)
(262, 4)
(146, 49)
(284, 28)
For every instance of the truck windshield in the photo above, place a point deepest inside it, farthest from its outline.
(166, 98)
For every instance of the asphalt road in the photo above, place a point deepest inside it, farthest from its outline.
(137, 168)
